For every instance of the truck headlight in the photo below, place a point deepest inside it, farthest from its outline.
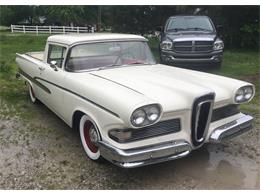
(138, 117)
(218, 45)
(244, 94)
(166, 45)
(145, 115)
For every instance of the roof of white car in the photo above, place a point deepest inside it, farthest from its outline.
(70, 39)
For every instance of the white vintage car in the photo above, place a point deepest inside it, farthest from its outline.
(127, 108)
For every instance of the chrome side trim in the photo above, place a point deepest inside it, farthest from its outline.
(36, 80)
(82, 97)
(231, 129)
(145, 155)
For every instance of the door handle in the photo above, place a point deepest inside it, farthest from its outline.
(41, 68)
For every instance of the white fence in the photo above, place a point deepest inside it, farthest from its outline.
(51, 29)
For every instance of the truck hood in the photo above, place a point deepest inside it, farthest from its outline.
(173, 88)
(195, 36)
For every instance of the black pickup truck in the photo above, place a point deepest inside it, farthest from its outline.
(190, 40)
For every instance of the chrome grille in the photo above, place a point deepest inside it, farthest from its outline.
(158, 129)
(192, 46)
(201, 117)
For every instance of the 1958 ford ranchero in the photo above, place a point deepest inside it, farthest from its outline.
(128, 109)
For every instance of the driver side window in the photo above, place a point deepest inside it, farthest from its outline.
(56, 53)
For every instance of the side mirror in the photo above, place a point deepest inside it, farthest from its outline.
(159, 28)
(219, 28)
(54, 65)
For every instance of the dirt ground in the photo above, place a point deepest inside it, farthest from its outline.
(45, 153)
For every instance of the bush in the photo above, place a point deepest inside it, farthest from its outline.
(250, 36)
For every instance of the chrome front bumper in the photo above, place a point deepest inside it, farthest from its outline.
(169, 150)
(231, 129)
(145, 155)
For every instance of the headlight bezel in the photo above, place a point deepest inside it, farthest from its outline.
(166, 45)
(145, 109)
(218, 45)
(243, 91)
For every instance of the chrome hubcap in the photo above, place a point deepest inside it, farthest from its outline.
(93, 135)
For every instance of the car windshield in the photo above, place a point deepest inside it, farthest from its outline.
(108, 54)
(189, 24)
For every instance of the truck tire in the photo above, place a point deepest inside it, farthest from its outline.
(217, 65)
(90, 136)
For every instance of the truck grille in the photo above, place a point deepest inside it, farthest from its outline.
(192, 46)
(201, 117)
(158, 129)
(224, 112)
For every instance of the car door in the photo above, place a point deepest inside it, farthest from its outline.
(52, 76)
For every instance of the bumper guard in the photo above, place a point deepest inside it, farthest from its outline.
(231, 129)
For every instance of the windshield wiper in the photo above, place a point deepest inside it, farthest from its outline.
(197, 28)
(138, 62)
(108, 66)
(117, 65)
(176, 29)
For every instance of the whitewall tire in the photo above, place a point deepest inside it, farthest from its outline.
(89, 136)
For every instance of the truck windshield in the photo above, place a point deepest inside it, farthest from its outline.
(108, 54)
(192, 23)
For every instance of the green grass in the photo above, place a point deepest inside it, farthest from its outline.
(13, 91)
(244, 65)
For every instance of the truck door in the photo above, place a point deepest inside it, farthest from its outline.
(53, 78)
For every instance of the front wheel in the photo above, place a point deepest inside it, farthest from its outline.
(217, 65)
(89, 136)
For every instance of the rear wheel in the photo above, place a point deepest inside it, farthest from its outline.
(89, 136)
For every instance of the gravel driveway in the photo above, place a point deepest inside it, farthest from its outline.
(44, 153)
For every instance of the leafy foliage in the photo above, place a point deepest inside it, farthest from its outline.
(240, 23)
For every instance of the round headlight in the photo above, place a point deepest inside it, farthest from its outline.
(218, 45)
(244, 94)
(146, 115)
(248, 93)
(166, 45)
(153, 113)
(239, 95)
(138, 117)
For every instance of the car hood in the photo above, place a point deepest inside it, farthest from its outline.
(195, 36)
(173, 88)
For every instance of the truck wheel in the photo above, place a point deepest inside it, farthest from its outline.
(89, 136)
(32, 94)
(218, 65)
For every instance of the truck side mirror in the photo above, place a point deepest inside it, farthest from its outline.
(220, 30)
(159, 28)
(219, 27)
(54, 65)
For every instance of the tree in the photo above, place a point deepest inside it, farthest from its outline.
(6, 15)
(15, 14)
(64, 15)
